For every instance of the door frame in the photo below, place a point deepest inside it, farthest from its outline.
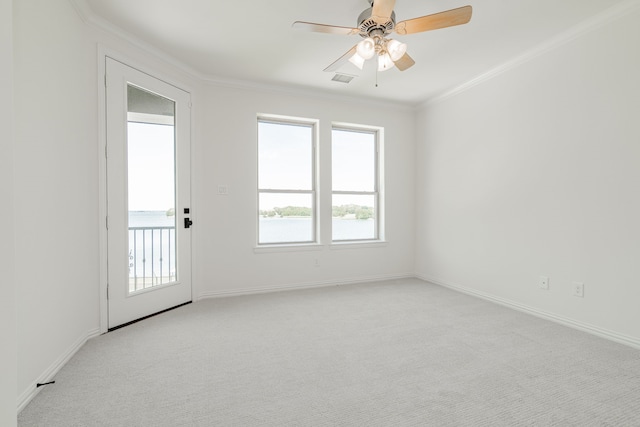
(155, 72)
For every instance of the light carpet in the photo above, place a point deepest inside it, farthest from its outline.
(395, 353)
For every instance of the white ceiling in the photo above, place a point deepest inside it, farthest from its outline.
(253, 41)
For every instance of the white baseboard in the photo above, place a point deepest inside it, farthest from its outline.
(299, 286)
(32, 390)
(575, 324)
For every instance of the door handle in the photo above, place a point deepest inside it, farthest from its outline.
(187, 223)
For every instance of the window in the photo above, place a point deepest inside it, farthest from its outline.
(286, 181)
(355, 184)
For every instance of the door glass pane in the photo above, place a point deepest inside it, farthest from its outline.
(151, 189)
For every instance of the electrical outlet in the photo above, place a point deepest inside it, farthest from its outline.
(223, 190)
(578, 289)
(543, 282)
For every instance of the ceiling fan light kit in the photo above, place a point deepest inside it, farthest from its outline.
(396, 49)
(384, 62)
(388, 50)
(375, 24)
(366, 48)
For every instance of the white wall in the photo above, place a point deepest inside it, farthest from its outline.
(57, 185)
(225, 231)
(56, 199)
(7, 285)
(536, 172)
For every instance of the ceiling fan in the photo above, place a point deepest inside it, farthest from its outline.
(375, 24)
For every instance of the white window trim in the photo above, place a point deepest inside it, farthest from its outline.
(357, 244)
(378, 192)
(289, 246)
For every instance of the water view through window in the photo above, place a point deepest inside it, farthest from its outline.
(286, 183)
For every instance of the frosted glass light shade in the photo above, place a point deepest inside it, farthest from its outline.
(357, 60)
(384, 62)
(396, 49)
(366, 48)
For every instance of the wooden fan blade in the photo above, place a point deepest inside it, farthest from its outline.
(449, 18)
(382, 10)
(341, 61)
(322, 28)
(405, 62)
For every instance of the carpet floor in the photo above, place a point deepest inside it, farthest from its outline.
(395, 353)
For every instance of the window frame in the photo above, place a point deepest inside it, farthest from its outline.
(377, 192)
(313, 124)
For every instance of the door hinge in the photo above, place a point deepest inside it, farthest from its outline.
(106, 222)
(107, 291)
(105, 151)
(105, 80)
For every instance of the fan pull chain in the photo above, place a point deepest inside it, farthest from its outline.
(376, 76)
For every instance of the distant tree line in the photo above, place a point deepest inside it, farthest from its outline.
(360, 212)
(287, 211)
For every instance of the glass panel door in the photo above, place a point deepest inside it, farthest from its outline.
(148, 129)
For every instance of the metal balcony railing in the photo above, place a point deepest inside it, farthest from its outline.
(152, 257)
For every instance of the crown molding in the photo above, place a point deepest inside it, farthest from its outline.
(308, 92)
(82, 9)
(89, 17)
(589, 25)
(611, 14)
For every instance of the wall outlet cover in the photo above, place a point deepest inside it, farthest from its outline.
(578, 289)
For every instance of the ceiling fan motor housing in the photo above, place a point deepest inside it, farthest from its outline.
(369, 27)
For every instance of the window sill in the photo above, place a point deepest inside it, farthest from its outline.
(263, 249)
(337, 246)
